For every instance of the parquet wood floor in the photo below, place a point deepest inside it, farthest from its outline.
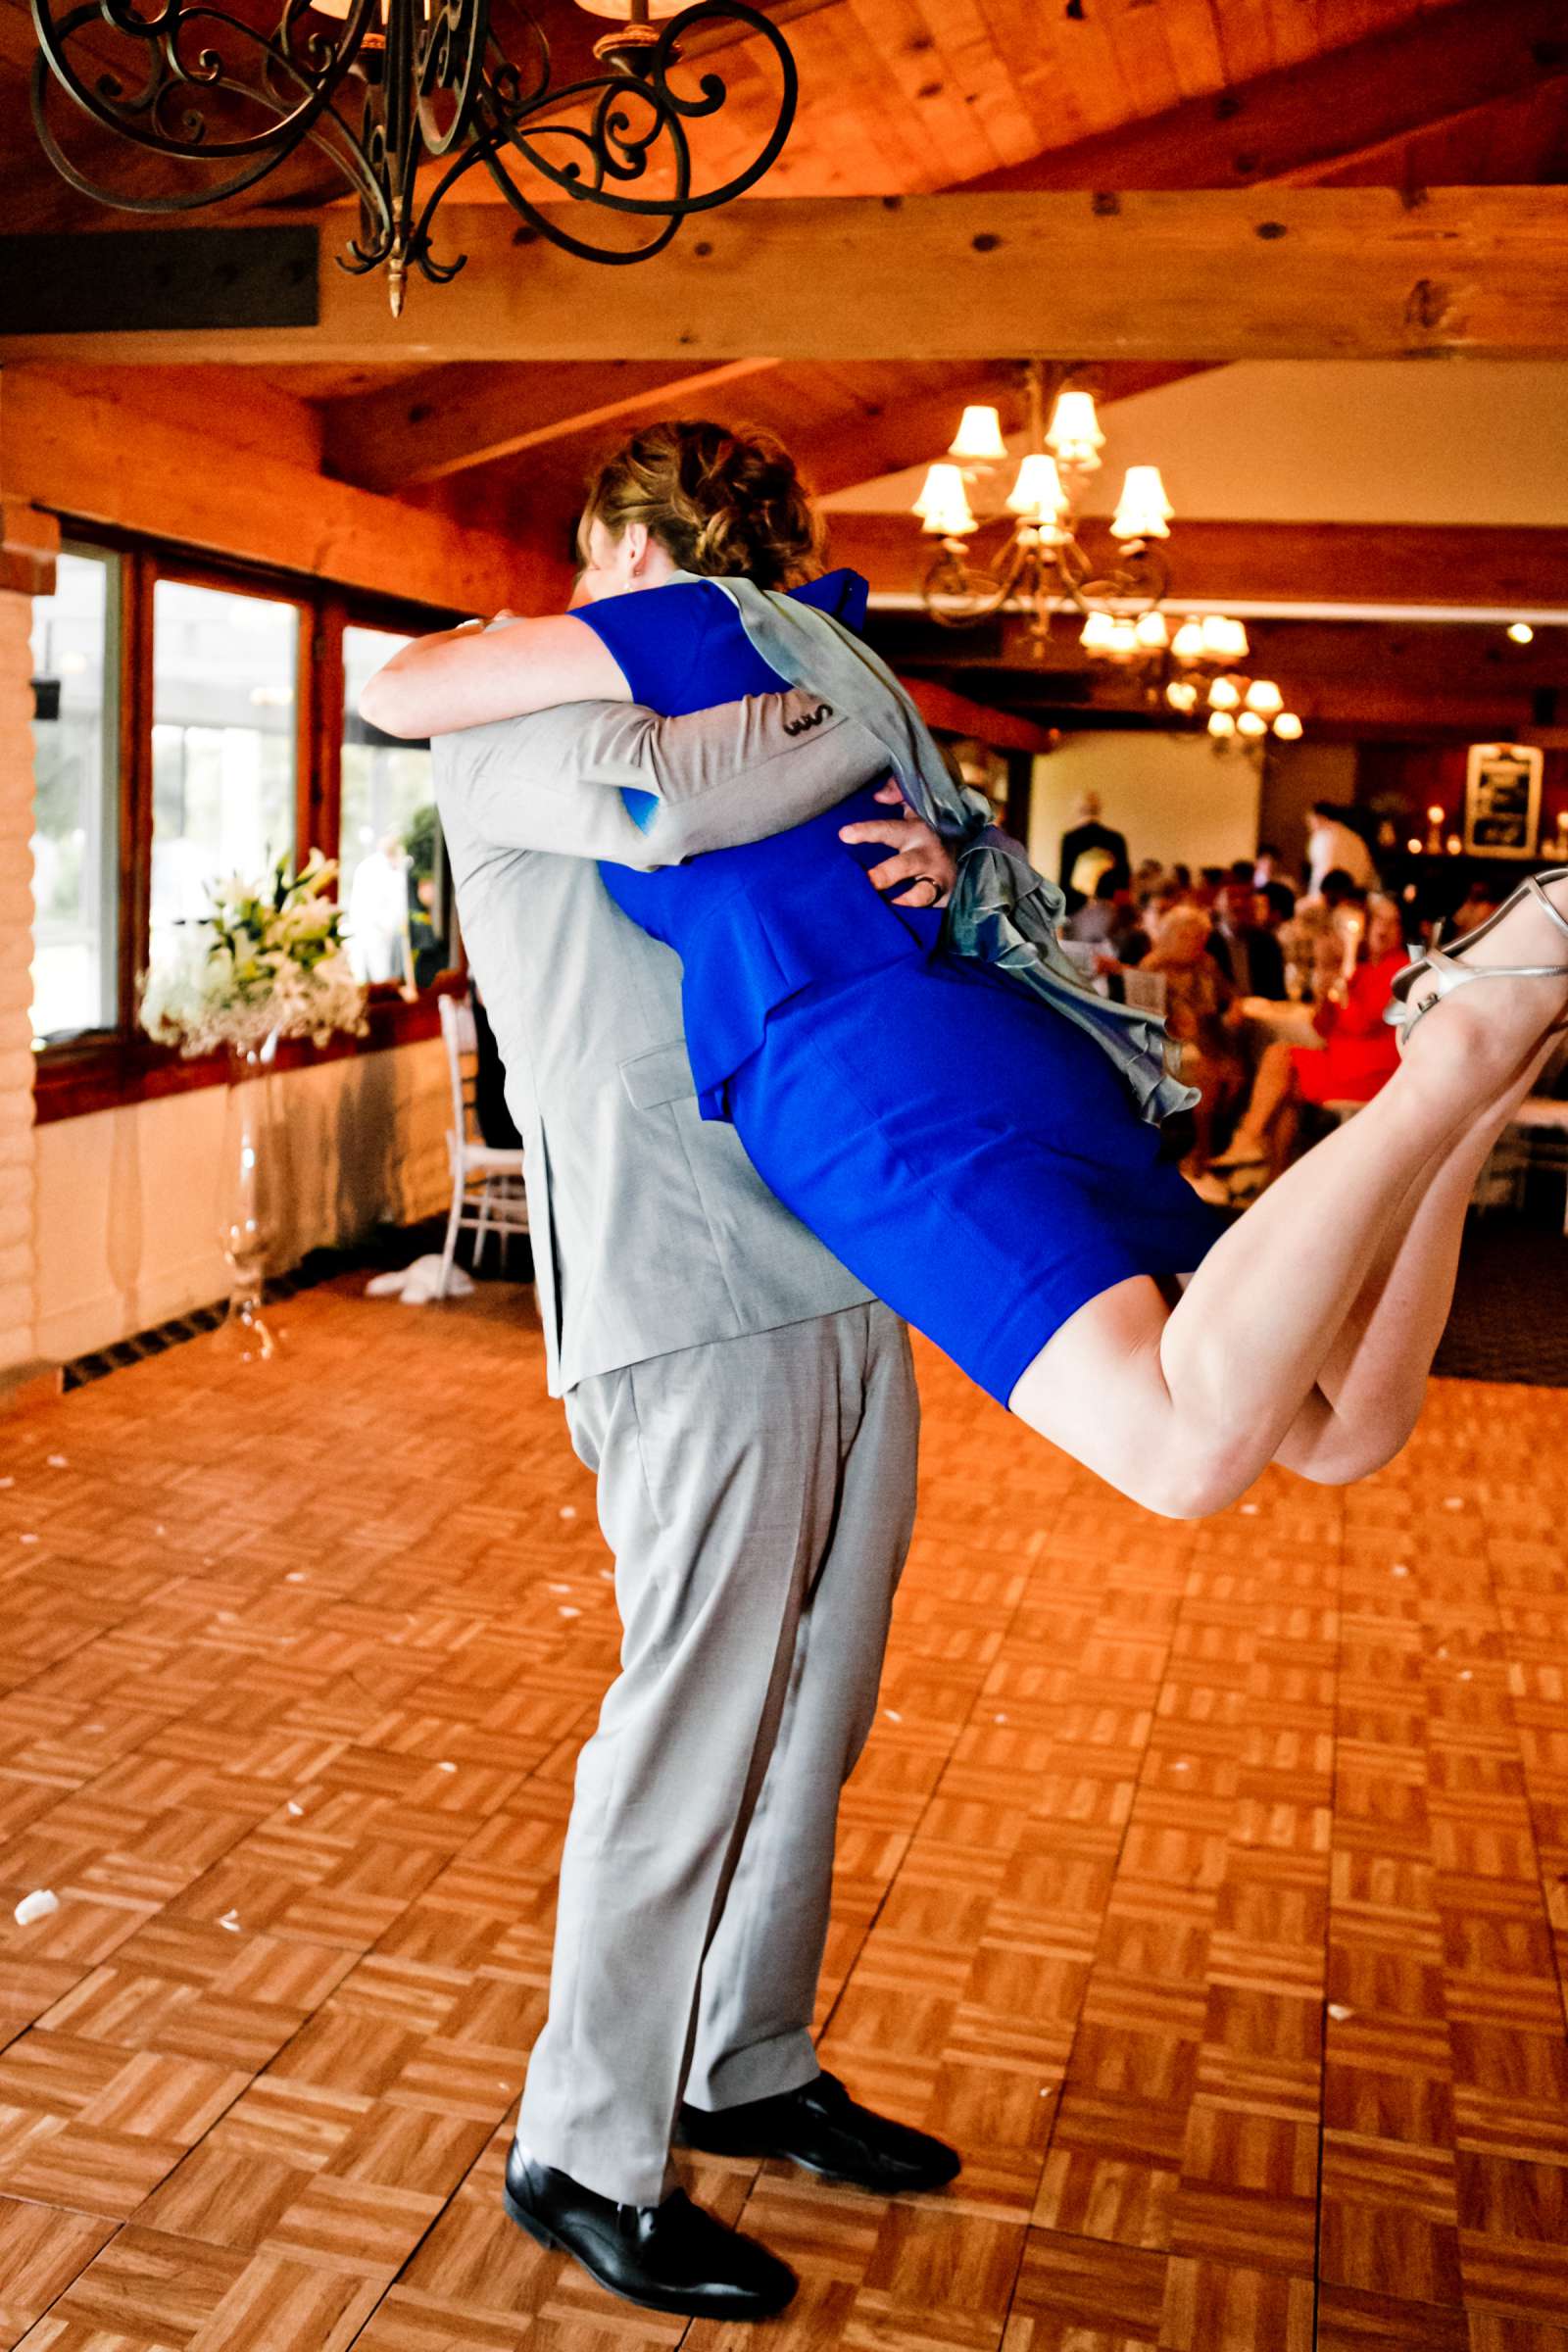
(1207, 1884)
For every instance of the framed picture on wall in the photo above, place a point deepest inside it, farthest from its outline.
(1503, 800)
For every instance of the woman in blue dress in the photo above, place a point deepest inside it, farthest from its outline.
(982, 1158)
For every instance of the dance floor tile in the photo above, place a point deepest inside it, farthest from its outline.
(1214, 2307)
(1351, 2322)
(43, 2250)
(1207, 1886)
(1073, 2292)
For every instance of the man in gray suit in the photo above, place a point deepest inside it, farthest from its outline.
(751, 1414)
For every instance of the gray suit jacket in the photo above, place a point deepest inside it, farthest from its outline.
(651, 1231)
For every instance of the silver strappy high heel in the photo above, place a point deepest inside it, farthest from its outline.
(1441, 966)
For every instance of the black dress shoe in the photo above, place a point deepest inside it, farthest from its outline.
(821, 2128)
(669, 2257)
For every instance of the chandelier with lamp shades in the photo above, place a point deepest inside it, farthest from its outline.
(1202, 678)
(1044, 570)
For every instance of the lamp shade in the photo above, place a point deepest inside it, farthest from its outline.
(1075, 438)
(1264, 696)
(943, 505)
(978, 439)
(1182, 695)
(1188, 643)
(1099, 632)
(1152, 633)
(1287, 727)
(1038, 495)
(1145, 510)
(1251, 725)
(1221, 723)
(622, 10)
(1223, 640)
(1224, 695)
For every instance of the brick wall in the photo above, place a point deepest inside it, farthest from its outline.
(17, 1142)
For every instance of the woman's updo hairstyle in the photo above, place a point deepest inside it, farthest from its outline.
(717, 502)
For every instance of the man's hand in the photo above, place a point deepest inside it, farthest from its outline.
(922, 862)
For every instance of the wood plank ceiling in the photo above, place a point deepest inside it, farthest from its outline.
(904, 96)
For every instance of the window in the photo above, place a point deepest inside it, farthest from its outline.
(197, 718)
(223, 744)
(76, 847)
(389, 843)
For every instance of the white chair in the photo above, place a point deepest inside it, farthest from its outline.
(1082, 953)
(1145, 992)
(487, 1192)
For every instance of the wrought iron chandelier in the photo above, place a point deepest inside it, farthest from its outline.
(1044, 570)
(382, 87)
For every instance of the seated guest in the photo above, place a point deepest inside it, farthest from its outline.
(1276, 902)
(1132, 939)
(1359, 1055)
(1096, 919)
(1323, 935)
(1246, 950)
(1479, 904)
(1199, 1001)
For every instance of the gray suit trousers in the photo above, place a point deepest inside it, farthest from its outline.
(756, 1494)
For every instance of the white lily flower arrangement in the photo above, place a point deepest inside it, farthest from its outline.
(267, 960)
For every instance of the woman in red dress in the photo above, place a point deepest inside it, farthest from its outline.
(1359, 1055)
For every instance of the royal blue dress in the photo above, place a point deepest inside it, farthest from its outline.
(973, 1156)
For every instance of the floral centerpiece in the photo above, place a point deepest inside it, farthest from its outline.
(268, 960)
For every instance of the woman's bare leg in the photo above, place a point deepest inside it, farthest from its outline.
(1372, 1382)
(1284, 1129)
(1204, 1078)
(1271, 1087)
(1182, 1407)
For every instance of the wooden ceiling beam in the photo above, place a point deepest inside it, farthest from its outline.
(1375, 93)
(1471, 565)
(957, 714)
(1323, 111)
(426, 427)
(74, 446)
(1333, 709)
(1282, 273)
(906, 432)
(842, 423)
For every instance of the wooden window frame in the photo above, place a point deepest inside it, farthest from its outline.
(101, 1069)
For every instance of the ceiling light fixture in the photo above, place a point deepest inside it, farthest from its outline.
(387, 90)
(1043, 567)
(1044, 570)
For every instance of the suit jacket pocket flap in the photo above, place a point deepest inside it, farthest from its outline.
(664, 1074)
